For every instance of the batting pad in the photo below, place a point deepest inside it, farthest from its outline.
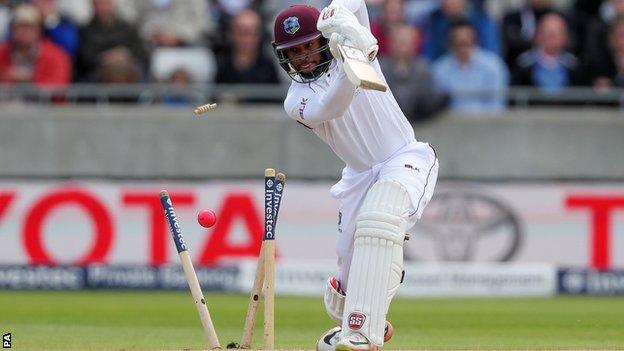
(377, 263)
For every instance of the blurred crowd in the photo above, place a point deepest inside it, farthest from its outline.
(461, 54)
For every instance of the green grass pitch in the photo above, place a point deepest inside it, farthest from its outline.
(117, 320)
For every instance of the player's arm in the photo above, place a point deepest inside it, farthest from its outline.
(315, 107)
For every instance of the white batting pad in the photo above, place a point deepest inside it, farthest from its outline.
(377, 263)
(334, 300)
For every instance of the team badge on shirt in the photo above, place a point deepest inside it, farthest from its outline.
(291, 25)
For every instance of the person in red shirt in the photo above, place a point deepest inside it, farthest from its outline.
(392, 15)
(28, 58)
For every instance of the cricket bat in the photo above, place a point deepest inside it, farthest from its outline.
(359, 70)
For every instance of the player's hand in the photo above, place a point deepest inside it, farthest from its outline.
(359, 37)
(335, 40)
(332, 17)
(338, 19)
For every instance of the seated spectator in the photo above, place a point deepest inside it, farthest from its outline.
(548, 65)
(180, 82)
(5, 20)
(198, 61)
(79, 12)
(244, 61)
(392, 13)
(227, 9)
(167, 22)
(57, 28)
(610, 72)
(437, 28)
(418, 12)
(107, 33)
(585, 14)
(272, 7)
(409, 77)
(519, 28)
(597, 41)
(29, 58)
(475, 79)
(610, 10)
(117, 66)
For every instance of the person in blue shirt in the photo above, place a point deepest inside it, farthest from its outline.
(57, 28)
(548, 65)
(437, 28)
(519, 26)
(475, 80)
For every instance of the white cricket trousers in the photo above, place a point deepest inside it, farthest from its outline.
(415, 166)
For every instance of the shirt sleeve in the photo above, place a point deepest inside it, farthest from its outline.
(312, 107)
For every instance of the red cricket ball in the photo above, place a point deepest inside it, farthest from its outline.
(206, 218)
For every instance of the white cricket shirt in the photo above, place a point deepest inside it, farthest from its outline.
(363, 127)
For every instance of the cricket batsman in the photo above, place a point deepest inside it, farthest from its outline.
(388, 179)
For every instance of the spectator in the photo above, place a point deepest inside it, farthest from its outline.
(227, 9)
(475, 79)
(79, 12)
(117, 66)
(392, 14)
(586, 13)
(180, 82)
(437, 28)
(610, 72)
(611, 9)
(105, 34)
(409, 77)
(596, 47)
(272, 7)
(519, 28)
(548, 65)
(222, 12)
(418, 12)
(29, 58)
(5, 19)
(57, 28)
(167, 22)
(244, 61)
(232, 7)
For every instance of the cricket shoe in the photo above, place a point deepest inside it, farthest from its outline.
(328, 341)
(355, 342)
